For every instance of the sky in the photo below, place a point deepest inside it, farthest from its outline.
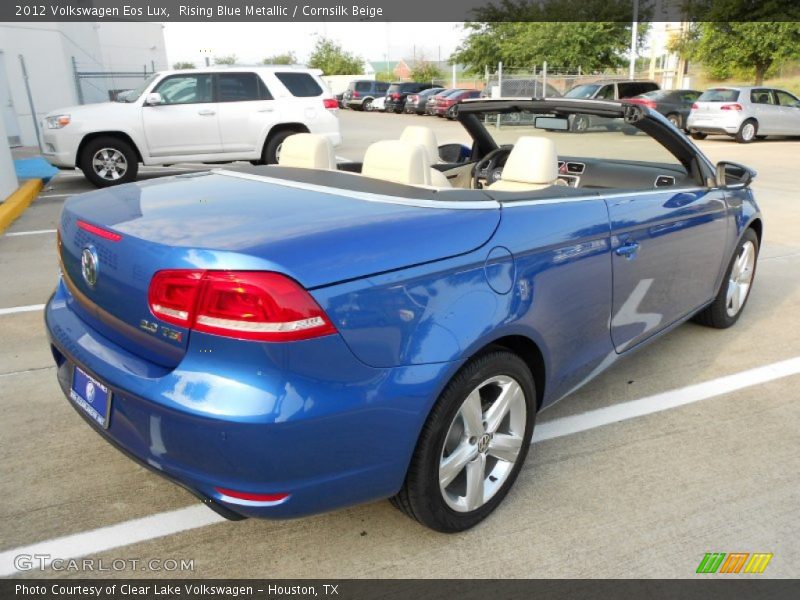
(251, 42)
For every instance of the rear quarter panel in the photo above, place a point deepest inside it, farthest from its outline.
(545, 275)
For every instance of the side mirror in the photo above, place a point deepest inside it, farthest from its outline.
(732, 175)
(153, 99)
(454, 153)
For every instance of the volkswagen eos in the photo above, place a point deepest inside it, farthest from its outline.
(283, 340)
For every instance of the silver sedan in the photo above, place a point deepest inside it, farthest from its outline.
(746, 113)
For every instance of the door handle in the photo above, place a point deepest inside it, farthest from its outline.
(266, 110)
(206, 112)
(628, 250)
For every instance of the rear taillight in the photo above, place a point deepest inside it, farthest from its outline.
(355, 95)
(99, 231)
(249, 305)
(330, 103)
(695, 106)
(736, 107)
(395, 96)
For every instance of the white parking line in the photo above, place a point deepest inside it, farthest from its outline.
(195, 516)
(21, 309)
(34, 232)
(113, 536)
(40, 196)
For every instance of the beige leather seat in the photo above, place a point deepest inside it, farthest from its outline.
(398, 161)
(531, 165)
(307, 151)
(423, 136)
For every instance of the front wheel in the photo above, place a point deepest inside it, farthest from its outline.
(580, 124)
(108, 160)
(675, 119)
(696, 135)
(473, 444)
(726, 308)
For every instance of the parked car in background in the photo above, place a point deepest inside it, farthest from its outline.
(605, 90)
(447, 105)
(529, 88)
(415, 103)
(398, 92)
(378, 105)
(361, 93)
(430, 104)
(217, 114)
(746, 113)
(340, 100)
(673, 104)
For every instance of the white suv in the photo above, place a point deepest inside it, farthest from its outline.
(203, 115)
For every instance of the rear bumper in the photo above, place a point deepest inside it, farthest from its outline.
(714, 124)
(306, 419)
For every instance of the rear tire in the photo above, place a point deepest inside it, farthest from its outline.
(367, 105)
(747, 131)
(675, 119)
(696, 135)
(272, 148)
(108, 160)
(463, 430)
(734, 292)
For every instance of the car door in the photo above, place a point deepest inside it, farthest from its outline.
(186, 121)
(667, 248)
(765, 110)
(790, 112)
(246, 111)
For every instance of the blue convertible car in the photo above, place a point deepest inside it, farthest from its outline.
(283, 340)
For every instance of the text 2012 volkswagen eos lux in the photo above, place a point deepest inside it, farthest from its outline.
(296, 338)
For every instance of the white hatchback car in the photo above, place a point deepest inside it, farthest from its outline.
(210, 115)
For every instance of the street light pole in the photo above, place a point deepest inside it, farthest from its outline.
(634, 35)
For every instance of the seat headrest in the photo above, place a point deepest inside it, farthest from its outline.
(398, 161)
(423, 136)
(533, 160)
(308, 151)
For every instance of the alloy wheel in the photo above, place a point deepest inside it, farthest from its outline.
(748, 131)
(482, 444)
(109, 164)
(740, 279)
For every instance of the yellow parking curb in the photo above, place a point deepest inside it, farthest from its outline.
(17, 202)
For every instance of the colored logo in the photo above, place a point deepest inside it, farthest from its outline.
(90, 392)
(735, 562)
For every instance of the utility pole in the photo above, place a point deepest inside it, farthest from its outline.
(634, 35)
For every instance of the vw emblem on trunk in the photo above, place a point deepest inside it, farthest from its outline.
(89, 265)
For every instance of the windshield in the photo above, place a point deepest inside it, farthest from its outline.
(719, 95)
(587, 136)
(133, 95)
(583, 91)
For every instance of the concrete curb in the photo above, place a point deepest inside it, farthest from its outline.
(17, 202)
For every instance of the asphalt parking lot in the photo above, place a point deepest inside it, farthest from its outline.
(689, 446)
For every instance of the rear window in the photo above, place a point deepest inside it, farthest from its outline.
(395, 87)
(719, 95)
(381, 87)
(628, 90)
(302, 85)
(241, 87)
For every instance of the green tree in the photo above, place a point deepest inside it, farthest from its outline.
(183, 65)
(425, 71)
(749, 48)
(333, 60)
(524, 34)
(287, 58)
(229, 59)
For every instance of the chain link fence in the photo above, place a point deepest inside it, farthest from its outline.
(94, 84)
